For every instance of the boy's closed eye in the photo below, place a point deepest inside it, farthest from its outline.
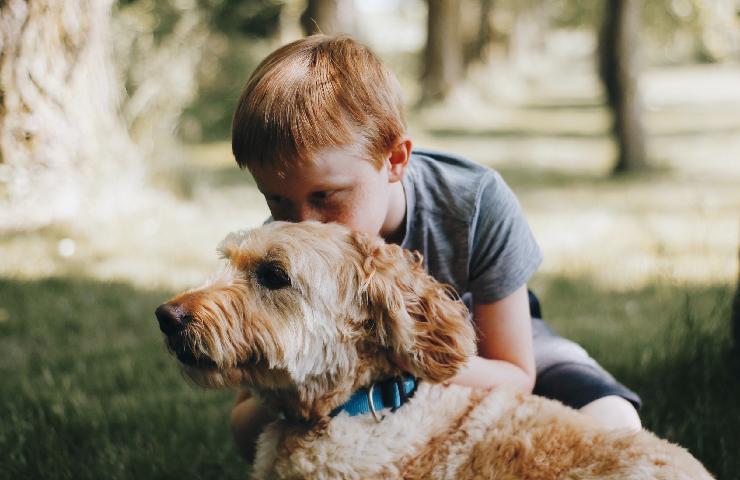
(324, 195)
(317, 197)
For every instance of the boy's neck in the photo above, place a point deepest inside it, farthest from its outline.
(394, 228)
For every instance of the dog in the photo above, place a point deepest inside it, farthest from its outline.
(312, 317)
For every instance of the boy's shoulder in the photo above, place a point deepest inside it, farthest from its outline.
(448, 162)
(448, 183)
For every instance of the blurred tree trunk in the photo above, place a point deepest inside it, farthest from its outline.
(476, 49)
(618, 45)
(328, 16)
(443, 55)
(736, 315)
(60, 132)
(160, 71)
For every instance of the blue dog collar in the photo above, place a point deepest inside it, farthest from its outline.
(390, 393)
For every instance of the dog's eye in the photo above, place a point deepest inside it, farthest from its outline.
(272, 276)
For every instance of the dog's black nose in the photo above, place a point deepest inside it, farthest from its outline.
(172, 318)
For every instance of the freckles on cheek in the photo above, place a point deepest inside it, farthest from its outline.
(343, 218)
(354, 214)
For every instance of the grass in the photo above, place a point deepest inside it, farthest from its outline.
(88, 390)
(637, 269)
(672, 345)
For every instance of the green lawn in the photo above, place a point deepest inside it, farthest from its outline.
(638, 269)
(88, 390)
(671, 344)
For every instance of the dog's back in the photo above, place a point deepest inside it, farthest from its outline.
(457, 433)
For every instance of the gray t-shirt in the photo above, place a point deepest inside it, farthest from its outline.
(468, 225)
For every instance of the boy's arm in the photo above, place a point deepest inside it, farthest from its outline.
(248, 418)
(505, 352)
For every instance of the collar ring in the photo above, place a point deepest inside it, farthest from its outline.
(376, 415)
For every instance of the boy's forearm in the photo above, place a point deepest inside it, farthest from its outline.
(487, 373)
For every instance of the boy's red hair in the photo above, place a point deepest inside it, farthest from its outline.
(317, 92)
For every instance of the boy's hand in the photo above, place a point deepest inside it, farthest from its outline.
(487, 373)
(248, 418)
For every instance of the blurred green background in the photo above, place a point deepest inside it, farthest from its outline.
(117, 182)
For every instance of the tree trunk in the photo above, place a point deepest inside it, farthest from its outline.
(476, 49)
(328, 16)
(443, 56)
(60, 132)
(618, 43)
(736, 316)
(160, 74)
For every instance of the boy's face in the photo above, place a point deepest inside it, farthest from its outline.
(340, 186)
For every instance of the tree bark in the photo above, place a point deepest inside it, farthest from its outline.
(735, 316)
(618, 68)
(477, 48)
(443, 55)
(327, 16)
(60, 132)
(161, 76)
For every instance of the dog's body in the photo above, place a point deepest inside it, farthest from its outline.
(305, 314)
(458, 433)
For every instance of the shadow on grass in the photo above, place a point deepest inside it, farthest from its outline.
(567, 104)
(88, 390)
(512, 133)
(187, 179)
(528, 133)
(536, 178)
(230, 176)
(672, 345)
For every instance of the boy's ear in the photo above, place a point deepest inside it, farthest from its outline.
(398, 159)
(414, 316)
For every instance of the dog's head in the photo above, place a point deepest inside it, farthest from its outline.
(304, 314)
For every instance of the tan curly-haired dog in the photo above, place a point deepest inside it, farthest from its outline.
(305, 314)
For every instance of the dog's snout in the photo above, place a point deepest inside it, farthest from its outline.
(172, 318)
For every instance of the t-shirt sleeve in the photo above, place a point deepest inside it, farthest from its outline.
(504, 253)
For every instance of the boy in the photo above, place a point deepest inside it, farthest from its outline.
(320, 127)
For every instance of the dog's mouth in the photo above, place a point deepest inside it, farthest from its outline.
(179, 346)
(188, 358)
(185, 354)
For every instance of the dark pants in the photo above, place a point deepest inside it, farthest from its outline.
(566, 372)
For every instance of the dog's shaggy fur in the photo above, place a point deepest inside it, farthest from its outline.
(305, 314)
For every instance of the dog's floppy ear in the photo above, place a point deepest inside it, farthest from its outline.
(415, 316)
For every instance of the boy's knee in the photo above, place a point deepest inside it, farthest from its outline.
(613, 412)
